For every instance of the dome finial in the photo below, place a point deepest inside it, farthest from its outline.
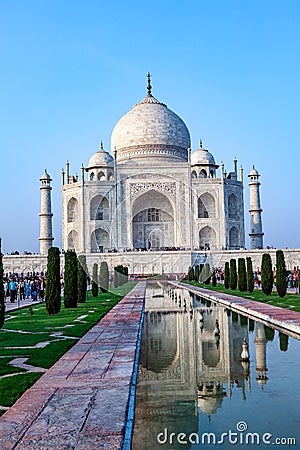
(149, 87)
(101, 145)
(201, 144)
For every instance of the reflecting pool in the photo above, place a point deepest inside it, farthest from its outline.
(194, 391)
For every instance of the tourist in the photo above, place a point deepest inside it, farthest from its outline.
(22, 289)
(290, 280)
(296, 279)
(27, 288)
(34, 290)
(13, 286)
(6, 289)
(259, 279)
(41, 289)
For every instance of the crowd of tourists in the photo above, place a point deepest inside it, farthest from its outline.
(18, 288)
(292, 278)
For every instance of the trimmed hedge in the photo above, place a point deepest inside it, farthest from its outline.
(82, 278)
(95, 289)
(242, 277)
(227, 276)
(53, 287)
(233, 275)
(281, 281)
(104, 277)
(70, 279)
(266, 274)
(250, 277)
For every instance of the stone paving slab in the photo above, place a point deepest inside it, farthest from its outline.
(81, 401)
(284, 319)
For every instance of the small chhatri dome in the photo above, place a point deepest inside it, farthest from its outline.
(253, 173)
(45, 176)
(201, 157)
(150, 130)
(100, 158)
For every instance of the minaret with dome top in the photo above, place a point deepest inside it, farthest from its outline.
(46, 237)
(256, 232)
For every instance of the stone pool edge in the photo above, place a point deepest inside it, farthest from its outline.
(282, 319)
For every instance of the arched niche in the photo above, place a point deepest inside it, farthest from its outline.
(206, 206)
(72, 210)
(72, 240)
(99, 208)
(101, 176)
(233, 207)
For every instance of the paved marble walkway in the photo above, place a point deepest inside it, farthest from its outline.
(282, 318)
(81, 402)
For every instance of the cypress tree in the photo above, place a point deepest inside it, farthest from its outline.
(122, 275)
(207, 274)
(116, 279)
(104, 277)
(233, 275)
(197, 273)
(281, 282)
(214, 279)
(53, 287)
(269, 333)
(242, 278)
(266, 274)
(250, 278)
(95, 288)
(283, 342)
(226, 275)
(2, 304)
(70, 279)
(191, 274)
(82, 278)
(126, 274)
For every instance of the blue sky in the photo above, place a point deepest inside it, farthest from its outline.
(71, 68)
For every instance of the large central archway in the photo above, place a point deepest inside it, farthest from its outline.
(153, 225)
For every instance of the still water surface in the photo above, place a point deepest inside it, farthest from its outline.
(192, 381)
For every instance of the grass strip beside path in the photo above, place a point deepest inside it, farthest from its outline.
(290, 301)
(43, 339)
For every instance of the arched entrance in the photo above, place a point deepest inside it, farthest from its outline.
(153, 225)
(99, 241)
(234, 239)
(207, 238)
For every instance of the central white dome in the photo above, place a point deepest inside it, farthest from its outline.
(150, 129)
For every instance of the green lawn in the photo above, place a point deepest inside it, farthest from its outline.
(290, 301)
(38, 337)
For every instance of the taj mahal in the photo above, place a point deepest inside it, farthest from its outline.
(153, 193)
(152, 203)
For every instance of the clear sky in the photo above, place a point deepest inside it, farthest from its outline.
(71, 68)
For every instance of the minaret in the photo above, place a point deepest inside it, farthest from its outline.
(45, 214)
(256, 233)
(261, 357)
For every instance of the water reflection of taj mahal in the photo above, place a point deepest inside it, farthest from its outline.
(182, 358)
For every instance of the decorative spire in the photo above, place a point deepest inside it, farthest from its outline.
(201, 144)
(101, 146)
(149, 87)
